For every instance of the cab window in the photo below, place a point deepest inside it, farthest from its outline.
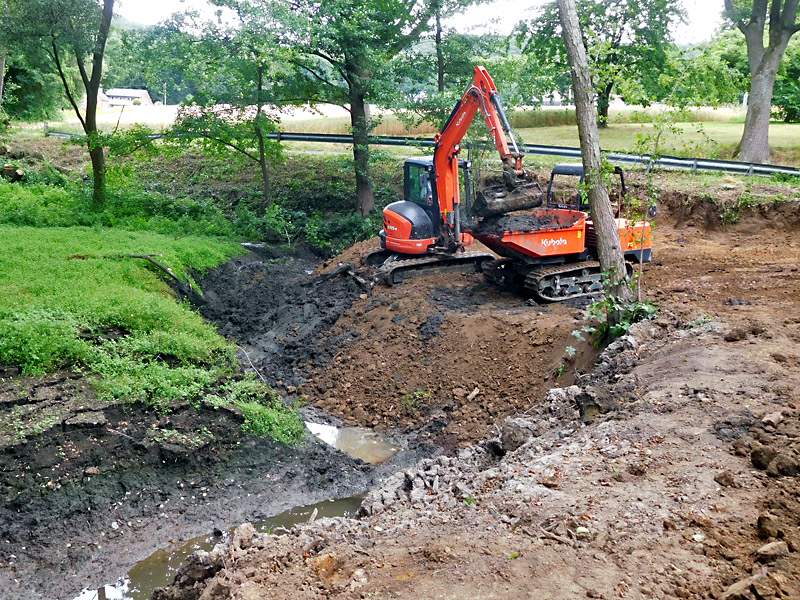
(419, 185)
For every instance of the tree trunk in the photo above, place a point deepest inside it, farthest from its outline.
(763, 63)
(608, 242)
(603, 101)
(754, 146)
(359, 119)
(262, 154)
(92, 86)
(98, 157)
(2, 73)
(439, 54)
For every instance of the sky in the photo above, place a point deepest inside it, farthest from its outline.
(703, 15)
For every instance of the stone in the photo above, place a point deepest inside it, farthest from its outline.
(767, 526)
(325, 566)
(771, 552)
(514, 434)
(592, 402)
(725, 479)
(773, 419)
(243, 536)
(741, 590)
(761, 456)
(783, 465)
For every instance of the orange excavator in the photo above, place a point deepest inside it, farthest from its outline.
(548, 252)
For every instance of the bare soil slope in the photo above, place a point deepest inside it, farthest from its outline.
(671, 471)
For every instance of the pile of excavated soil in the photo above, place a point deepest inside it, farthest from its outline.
(443, 355)
(274, 307)
(669, 473)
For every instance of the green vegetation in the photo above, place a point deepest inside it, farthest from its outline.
(74, 300)
(627, 313)
(264, 413)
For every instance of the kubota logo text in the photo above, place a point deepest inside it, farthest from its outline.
(461, 118)
(548, 242)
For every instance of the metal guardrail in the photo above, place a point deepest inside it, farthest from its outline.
(644, 160)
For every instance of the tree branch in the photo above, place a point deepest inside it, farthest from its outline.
(230, 145)
(313, 73)
(63, 77)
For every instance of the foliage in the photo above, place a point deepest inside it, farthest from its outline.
(625, 39)
(70, 30)
(109, 315)
(31, 91)
(128, 205)
(264, 413)
(786, 99)
(222, 129)
(626, 313)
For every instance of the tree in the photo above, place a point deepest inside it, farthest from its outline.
(343, 49)
(608, 242)
(245, 56)
(72, 30)
(751, 19)
(623, 39)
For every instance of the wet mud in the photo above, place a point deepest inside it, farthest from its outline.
(102, 486)
(273, 306)
(536, 220)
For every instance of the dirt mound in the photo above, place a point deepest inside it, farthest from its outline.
(447, 355)
(270, 303)
(619, 488)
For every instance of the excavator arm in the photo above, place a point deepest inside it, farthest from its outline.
(481, 95)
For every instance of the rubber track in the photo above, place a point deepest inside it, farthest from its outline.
(431, 264)
(534, 277)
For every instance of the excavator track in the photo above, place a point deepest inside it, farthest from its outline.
(564, 282)
(501, 272)
(395, 271)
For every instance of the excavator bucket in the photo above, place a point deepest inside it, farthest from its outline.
(499, 200)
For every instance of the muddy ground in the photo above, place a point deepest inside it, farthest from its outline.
(89, 488)
(669, 471)
(443, 360)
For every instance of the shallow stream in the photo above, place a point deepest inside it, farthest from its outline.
(159, 569)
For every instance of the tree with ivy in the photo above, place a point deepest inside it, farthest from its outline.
(624, 39)
(73, 34)
(767, 26)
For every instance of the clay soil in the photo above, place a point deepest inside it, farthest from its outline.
(668, 471)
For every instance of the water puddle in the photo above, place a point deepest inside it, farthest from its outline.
(358, 442)
(159, 568)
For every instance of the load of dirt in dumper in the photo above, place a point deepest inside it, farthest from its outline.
(542, 219)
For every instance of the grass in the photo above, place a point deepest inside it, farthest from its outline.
(72, 301)
(264, 412)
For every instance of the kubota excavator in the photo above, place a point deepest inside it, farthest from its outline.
(548, 252)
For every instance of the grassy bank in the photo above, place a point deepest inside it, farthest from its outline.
(76, 296)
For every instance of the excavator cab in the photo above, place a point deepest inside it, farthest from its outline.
(414, 224)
